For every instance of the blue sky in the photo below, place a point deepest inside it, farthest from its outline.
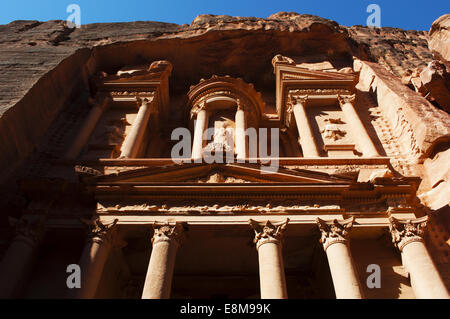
(406, 14)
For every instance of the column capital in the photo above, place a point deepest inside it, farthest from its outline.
(297, 99)
(140, 101)
(343, 99)
(200, 106)
(267, 232)
(167, 232)
(99, 232)
(29, 231)
(406, 231)
(334, 231)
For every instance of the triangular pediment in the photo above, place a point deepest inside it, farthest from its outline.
(216, 174)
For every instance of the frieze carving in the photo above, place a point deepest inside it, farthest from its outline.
(404, 232)
(268, 232)
(334, 231)
(167, 232)
(216, 208)
(147, 94)
(319, 92)
(99, 232)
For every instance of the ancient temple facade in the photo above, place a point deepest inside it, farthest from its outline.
(307, 184)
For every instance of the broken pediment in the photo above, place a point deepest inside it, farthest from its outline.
(215, 174)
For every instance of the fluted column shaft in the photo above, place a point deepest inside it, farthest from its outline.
(345, 279)
(133, 140)
(158, 281)
(200, 126)
(88, 127)
(356, 125)
(94, 256)
(240, 140)
(19, 258)
(271, 269)
(305, 132)
(407, 235)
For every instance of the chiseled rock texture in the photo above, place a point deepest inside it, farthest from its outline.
(440, 37)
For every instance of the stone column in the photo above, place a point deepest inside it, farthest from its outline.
(19, 258)
(94, 256)
(133, 140)
(345, 279)
(88, 127)
(240, 140)
(200, 126)
(407, 236)
(305, 132)
(268, 240)
(360, 133)
(158, 281)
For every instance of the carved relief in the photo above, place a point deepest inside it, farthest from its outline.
(333, 132)
(268, 232)
(167, 232)
(334, 231)
(99, 232)
(407, 231)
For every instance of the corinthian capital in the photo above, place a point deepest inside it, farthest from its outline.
(297, 99)
(200, 106)
(167, 232)
(343, 99)
(334, 231)
(99, 232)
(267, 232)
(407, 231)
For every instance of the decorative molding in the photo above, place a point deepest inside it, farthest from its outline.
(267, 232)
(171, 232)
(319, 92)
(407, 231)
(343, 99)
(334, 231)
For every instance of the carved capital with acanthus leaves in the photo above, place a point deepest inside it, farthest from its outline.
(170, 232)
(267, 232)
(334, 231)
(404, 232)
(101, 233)
(200, 106)
(297, 99)
(344, 99)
